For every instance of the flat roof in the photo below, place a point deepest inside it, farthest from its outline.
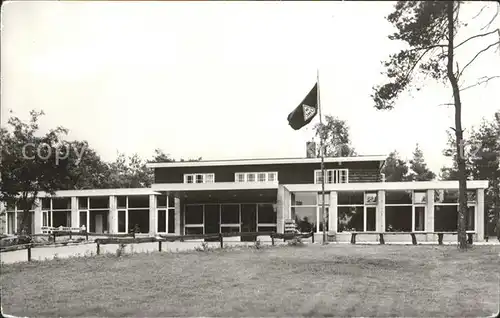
(263, 161)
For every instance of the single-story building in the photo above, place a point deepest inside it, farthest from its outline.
(203, 197)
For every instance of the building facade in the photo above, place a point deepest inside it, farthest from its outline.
(207, 197)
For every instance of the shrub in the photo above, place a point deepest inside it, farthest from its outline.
(258, 244)
(203, 248)
(120, 250)
(296, 241)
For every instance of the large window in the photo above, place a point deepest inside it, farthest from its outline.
(332, 176)
(399, 211)
(306, 211)
(446, 211)
(255, 176)
(351, 215)
(15, 214)
(165, 205)
(56, 212)
(133, 213)
(266, 217)
(199, 178)
(94, 213)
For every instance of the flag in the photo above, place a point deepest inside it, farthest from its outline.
(305, 112)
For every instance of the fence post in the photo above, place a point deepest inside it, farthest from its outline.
(159, 246)
(413, 239)
(98, 248)
(312, 236)
(70, 235)
(54, 235)
(382, 241)
(29, 252)
(86, 235)
(272, 239)
(221, 238)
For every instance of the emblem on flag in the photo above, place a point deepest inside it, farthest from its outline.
(308, 111)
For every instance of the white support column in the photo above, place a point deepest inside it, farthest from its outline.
(333, 212)
(75, 217)
(287, 212)
(429, 223)
(177, 204)
(3, 218)
(480, 215)
(152, 215)
(380, 219)
(113, 215)
(282, 208)
(38, 216)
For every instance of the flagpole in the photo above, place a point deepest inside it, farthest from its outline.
(322, 152)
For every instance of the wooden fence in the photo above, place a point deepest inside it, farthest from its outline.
(131, 239)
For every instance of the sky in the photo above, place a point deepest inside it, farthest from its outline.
(218, 79)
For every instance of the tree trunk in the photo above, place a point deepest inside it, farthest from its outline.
(460, 158)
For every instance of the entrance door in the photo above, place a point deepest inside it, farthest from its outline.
(249, 221)
(211, 220)
(98, 223)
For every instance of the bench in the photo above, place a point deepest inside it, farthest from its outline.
(412, 234)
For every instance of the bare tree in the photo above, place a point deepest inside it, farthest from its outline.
(430, 29)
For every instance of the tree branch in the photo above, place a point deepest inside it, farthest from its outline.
(478, 53)
(482, 80)
(476, 36)
(485, 6)
(487, 26)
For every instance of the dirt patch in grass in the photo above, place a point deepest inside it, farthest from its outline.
(334, 280)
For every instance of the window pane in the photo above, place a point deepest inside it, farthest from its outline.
(266, 229)
(251, 177)
(343, 176)
(138, 201)
(44, 218)
(230, 229)
(471, 219)
(209, 178)
(371, 216)
(230, 214)
(349, 197)
(371, 198)
(82, 203)
(267, 213)
(419, 218)
(305, 218)
(21, 206)
(171, 221)
(138, 219)
(327, 198)
(61, 203)
(46, 204)
(121, 202)
(271, 176)
(83, 220)
(11, 220)
(121, 222)
(398, 197)
(199, 178)
(445, 218)
(318, 177)
(350, 219)
(162, 221)
(99, 202)
(194, 214)
(419, 197)
(194, 230)
(60, 218)
(240, 177)
(261, 177)
(446, 196)
(398, 218)
(189, 178)
(304, 198)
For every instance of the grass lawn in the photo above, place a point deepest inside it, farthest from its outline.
(333, 280)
